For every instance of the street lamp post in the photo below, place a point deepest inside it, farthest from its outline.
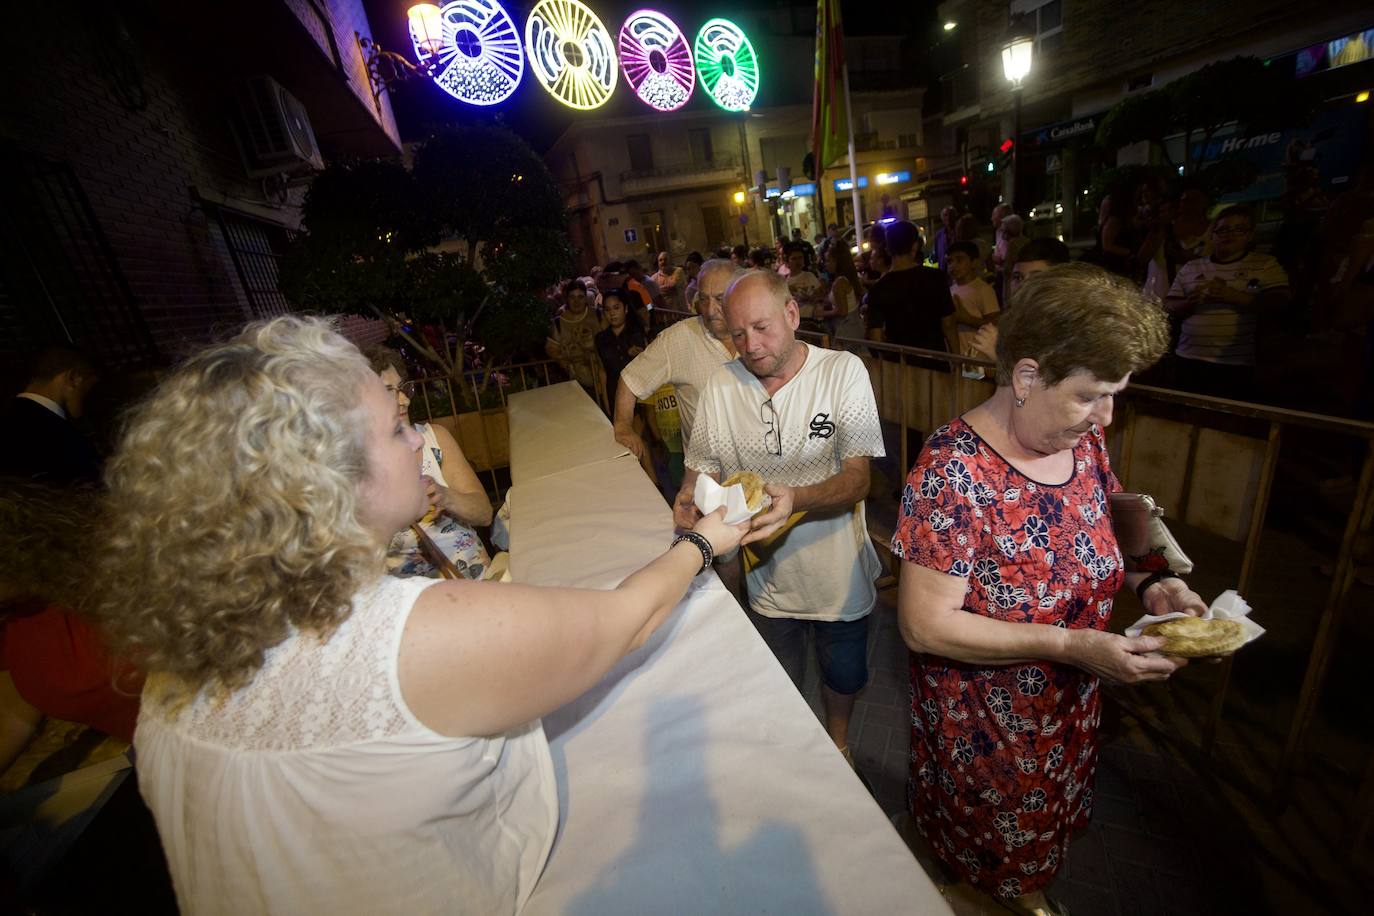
(743, 217)
(1016, 65)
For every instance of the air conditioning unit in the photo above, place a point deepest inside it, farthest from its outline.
(273, 129)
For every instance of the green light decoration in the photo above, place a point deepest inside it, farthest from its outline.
(727, 65)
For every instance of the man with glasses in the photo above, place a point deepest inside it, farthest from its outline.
(683, 356)
(1220, 299)
(805, 420)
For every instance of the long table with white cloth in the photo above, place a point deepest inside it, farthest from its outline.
(694, 778)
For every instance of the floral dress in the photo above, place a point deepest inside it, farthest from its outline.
(457, 541)
(1002, 757)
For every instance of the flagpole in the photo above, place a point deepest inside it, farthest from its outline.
(853, 166)
(820, 205)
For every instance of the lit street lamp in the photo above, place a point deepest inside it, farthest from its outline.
(743, 217)
(1016, 65)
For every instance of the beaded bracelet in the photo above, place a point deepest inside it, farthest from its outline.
(1151, 579)
(700, 542)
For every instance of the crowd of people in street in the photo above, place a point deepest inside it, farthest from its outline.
(296, 606)
(1233, 308)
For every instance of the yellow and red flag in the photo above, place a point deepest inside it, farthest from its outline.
(829, 117)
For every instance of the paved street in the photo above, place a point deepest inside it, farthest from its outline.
(1168, 836)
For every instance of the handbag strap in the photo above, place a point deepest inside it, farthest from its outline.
(434, 555)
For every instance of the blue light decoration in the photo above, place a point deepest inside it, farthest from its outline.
(845, 184)
(478, 58)
(656, 60)
(571, 53)
(727, 65)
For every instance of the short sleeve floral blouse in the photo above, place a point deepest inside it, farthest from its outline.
(1003, 757)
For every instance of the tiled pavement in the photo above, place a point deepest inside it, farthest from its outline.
(1167, 835)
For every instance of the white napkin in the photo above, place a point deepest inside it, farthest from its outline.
(1229, 605)
(710, 496)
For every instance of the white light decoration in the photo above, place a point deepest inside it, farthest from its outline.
(571, 53)
(727, 65)
(479, 58)
(656, 60)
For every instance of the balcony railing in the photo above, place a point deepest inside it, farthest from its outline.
(689, 167)
(683, 174)
(958, 89)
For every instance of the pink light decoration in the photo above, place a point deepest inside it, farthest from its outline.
(656, 60)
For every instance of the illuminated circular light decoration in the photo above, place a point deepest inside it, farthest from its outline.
(571, 53)
(727, 65)
(656, 60)
(478, 59)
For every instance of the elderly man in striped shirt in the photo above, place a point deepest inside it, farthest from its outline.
(1220, 299)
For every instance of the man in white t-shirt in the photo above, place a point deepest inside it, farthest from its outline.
(975, 301)
(671, 281)
(803, 286)
(684, 356)
(1220, 299)
(805, 420)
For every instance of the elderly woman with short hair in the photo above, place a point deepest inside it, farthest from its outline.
(1011, 567)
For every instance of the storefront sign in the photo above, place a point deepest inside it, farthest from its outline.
(806, 189)
(1052, 134)
(844, 184)
(893, 177)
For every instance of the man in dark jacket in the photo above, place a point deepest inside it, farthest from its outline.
(42, 442)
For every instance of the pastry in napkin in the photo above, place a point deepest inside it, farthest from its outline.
(1194, 637)
(752, 484)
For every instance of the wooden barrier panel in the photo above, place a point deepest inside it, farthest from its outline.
(1158, 463)
(1225, 478)
(484, 448)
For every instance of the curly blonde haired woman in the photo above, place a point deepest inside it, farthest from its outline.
(316, 736)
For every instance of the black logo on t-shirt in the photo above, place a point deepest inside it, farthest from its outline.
(821, 427)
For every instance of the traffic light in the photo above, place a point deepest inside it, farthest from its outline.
(1008, 150)
(963, 180)
(809, 166)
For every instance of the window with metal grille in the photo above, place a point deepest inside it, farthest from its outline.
(60, 282)
(256, 248)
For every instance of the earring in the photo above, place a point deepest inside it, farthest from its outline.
(1020, 402)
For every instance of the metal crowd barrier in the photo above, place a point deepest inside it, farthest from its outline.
(902, 393)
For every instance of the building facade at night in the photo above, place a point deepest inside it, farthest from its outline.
(637, 182)
(646, 183)
(1088, 56)
(155, 155)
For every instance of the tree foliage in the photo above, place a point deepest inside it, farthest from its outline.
(466, 240)
(1242, 89)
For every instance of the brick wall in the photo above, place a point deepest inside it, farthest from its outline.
(345, 19)
(137, 167)
(142, 121)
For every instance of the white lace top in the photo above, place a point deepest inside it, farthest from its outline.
(315, 790)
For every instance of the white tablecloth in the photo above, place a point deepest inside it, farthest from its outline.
(694, 778)
(583, 434)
